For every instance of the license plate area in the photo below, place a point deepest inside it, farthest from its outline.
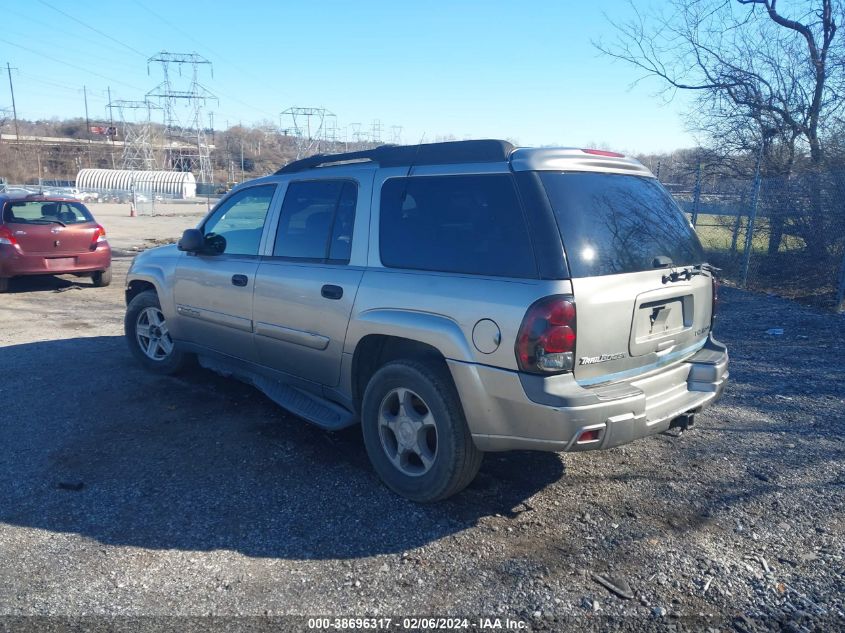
(60, 263)
(658, 322)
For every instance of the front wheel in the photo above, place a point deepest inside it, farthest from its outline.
(415, 432)
(148, 336)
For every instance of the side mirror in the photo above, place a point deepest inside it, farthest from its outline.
(192, 241)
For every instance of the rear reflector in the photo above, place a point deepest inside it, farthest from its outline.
(588, 436)
(602, 152)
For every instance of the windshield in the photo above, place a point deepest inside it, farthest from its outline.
(612, 223)
(41, 212)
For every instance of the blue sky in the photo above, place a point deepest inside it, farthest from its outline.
(522, 70)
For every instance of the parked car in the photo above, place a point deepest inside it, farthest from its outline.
(452, 298)
(50, 235)
(83, 196)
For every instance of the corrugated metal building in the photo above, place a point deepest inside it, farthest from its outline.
(180, 184)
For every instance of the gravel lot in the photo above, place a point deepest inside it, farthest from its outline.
(124, 493)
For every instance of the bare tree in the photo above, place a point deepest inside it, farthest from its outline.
(764, 80)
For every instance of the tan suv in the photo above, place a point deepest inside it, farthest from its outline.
(452, 298)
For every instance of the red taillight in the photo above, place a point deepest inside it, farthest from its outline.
(99, 235)
(6, 236)
(546, 339)
(603, 152)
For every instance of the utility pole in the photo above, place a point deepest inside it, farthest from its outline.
(111, 124)
(14, 109)
(87, 123)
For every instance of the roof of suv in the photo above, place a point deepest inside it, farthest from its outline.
(479, 151)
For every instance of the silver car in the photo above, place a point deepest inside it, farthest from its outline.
(452, 298)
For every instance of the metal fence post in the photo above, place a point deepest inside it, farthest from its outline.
(749, 231)
(735, 232)
(696, 196)
(752, 216)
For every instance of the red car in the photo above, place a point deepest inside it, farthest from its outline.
(48, 235)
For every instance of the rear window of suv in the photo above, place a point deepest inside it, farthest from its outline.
(470, 224)
(615, 223)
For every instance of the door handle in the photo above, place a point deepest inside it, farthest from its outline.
(331, 292)
(240, 280)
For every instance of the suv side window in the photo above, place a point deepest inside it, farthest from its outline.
(316, 221)
(470, 224)
(235, 227)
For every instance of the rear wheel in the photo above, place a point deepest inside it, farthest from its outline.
(148, 336)
(102, 277)
(415, 432)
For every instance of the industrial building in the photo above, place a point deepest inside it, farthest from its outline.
(178, 184)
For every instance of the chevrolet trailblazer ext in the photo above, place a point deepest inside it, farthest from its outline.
(452, 298)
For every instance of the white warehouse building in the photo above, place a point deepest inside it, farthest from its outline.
(180, 184)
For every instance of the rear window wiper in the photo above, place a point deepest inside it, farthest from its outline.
(689, 272)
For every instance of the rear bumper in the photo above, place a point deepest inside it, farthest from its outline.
(507, 410)
(14, 263)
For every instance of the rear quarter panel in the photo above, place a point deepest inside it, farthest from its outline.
(442, 310)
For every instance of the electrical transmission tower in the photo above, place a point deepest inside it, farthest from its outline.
(309, 127)
(396, 134)
(183, 118)
(375, 133)
(136, 126)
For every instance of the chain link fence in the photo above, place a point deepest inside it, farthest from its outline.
(141, 199)
(784, 236)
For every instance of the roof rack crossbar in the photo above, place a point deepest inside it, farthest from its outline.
(451, 152)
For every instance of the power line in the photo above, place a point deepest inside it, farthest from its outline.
(60, 61)
(57, 27)
(219, 57)
(98, 31)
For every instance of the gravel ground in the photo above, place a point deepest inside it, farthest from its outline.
(124, 493)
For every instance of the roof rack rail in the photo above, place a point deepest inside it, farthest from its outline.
(451, 152)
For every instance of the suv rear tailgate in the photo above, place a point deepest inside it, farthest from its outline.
(626, 243)
(631, 324)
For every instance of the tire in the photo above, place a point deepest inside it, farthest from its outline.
(158, 353)
(421, 449)
(4, 284)
(102, 277)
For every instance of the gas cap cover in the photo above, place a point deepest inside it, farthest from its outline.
(486, 336)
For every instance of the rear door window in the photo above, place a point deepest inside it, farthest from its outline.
(316, 221)
(616, 223)
(471, 224)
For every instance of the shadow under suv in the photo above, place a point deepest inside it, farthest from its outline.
(452, 298)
